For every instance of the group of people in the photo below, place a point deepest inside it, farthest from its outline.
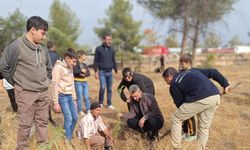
(38, 75)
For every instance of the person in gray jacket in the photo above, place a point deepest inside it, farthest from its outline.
(26, 65)
(144, 114)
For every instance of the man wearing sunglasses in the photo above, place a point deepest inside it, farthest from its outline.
(129, 78)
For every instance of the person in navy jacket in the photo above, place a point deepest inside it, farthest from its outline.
(194, 94)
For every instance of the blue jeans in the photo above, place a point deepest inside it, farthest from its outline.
(82, 91)
(105, 80)
(69, 113)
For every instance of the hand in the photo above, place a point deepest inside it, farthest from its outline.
(120, 115)
(83, 70)
(116, 76)
(128, 100)
(57, 108)
(96, 75)
(141, 122)
(75, 103)
(226, 89)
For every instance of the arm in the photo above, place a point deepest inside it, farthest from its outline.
(48, 64)
(120, 91)
(87, 143)
(108, 135)
(114, 62)
(87, 73)
(176, 95)
(153, 106)
(216, 76)
(96, 58)
(8, 62)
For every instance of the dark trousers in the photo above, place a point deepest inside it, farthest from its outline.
(12, 98)
(151, 126)
(189, 126)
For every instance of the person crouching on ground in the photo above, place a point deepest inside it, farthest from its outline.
(93, 131)
(64, 91)
(144, 113)
(193, 94)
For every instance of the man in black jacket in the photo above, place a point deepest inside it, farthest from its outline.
(129, 77)
(104, 62)
(194, 94)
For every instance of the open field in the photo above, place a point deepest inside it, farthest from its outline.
(230, 129)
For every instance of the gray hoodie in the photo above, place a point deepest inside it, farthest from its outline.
(26, 64)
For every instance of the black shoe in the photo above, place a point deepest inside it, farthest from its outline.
(108, 148)
(53, 122)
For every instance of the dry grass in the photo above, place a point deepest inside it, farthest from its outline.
(230, 129)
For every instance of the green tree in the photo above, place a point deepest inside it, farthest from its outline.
(192, 16)
(172, 41)
(11, 27)
(120, 25)
(235, 41)
(64, 26)
(212, 40)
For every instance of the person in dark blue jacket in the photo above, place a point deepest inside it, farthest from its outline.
(194, 94)
(104, 63)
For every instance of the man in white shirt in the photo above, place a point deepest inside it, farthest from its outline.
(93, 131)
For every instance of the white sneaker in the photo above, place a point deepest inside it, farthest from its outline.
(81, 113)
(111, 107)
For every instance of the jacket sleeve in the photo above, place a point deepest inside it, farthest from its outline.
(114, 62)
(48, 64)
(176, 95)
(153, 107)
(8, 62)
(56, 76)
(96, 58)
(215, 75)
(87, 73)
(120, 91)
(76, 69)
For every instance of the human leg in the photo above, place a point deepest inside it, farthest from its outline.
(79, 93)
(64, 103)
(204, 122)
(26, 111)
(86, 96)
(102, 80)
(74, 116)
(42, 116)
(109, 80)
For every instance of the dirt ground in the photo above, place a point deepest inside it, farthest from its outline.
(230, 129)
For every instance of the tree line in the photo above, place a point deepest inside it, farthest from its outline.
(189, 19)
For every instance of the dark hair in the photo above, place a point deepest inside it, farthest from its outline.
(126, 71)
(50, 44)
(70, 52)
(186, 58)
(105, 35)
(95, 105)
(80, 53)
(169, 71)
(38, 23)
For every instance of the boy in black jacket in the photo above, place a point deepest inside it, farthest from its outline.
(81, 73)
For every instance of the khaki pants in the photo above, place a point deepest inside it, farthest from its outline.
(33, 108)
(99, 139)
(204, 109)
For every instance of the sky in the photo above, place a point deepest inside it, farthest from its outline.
(90, 11)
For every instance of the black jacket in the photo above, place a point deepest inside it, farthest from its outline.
(77, 70)
(145, 84)
(194, 84)
(104, 58)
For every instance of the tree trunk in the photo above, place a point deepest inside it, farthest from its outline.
(185, 28)
(195, 41)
